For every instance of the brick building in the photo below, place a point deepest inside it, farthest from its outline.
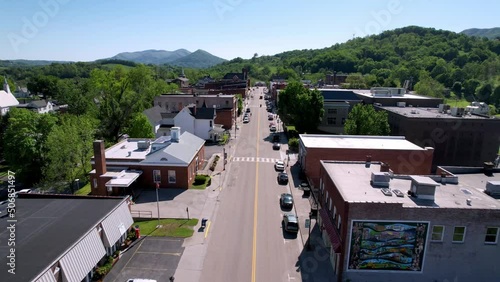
(382, 227)
(337, 104)
(226, 105)
(231, 83)
(401, 155)
(171, 161)
(458, 137)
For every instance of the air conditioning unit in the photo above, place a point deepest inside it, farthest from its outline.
(493, 188)
(380, 179)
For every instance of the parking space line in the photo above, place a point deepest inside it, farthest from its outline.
(138, 247)
(156, 253)
(208, 228)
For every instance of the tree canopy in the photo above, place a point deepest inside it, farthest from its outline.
(365, 120)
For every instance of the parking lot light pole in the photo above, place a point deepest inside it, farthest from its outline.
(309, 238)
(158, 204)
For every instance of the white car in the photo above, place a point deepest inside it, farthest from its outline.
(279, 166)
(246, 120)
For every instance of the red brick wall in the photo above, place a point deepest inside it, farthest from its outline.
(400, 161)
(225, 117)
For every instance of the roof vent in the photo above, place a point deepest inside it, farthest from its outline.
(423, 187)
(380, 179)
(398, 193)
(129, 153)
(386, 191)
(488, 168)
(493, 188)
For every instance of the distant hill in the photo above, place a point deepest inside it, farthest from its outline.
(180, 57)
(490, 33)
(156, 57)
(11, 63)
(198, 59)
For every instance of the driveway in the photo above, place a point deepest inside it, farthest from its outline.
(150, 258)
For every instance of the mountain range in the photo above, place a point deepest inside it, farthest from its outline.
(180, 57)
(490, 33)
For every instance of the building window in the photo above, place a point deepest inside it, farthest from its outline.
(156, 176)
(331, 121)
(171, 176)
(159, 104)
(330, 205)
(339, 223)
(459, 234)
(334, 213)
(491, 235)
(437, 233)
(332, 111)
(95, 183)
(326, 198)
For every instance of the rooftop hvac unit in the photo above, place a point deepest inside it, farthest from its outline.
(401, 104)
(142, 145)
(493, 188)
(380, 179)
(457, 112)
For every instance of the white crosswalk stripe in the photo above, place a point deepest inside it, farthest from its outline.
(254, 159)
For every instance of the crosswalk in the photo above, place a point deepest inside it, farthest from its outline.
(254, 159)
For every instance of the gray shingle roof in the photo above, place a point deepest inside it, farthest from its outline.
(203, 113)
(154, 114)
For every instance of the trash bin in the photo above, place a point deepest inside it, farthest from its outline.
(307, 192)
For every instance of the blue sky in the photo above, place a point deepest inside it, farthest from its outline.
(86, 30)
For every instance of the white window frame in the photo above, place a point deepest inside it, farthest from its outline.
(334, 213)
(330, 205)
(496, 235)
(95, 183)
(457, 234)
(441, 234)
(170, 173)
(157, 176)
(339, 222)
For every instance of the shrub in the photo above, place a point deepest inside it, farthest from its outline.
(293, 144)
(200, 179)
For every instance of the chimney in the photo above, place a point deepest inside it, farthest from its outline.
(99, 157)
(368, 161)
(385, 167)
(175, 133)
(488, 168)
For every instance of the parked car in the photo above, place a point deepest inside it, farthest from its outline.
(291, 223)
(282, 178)
(246, 120)
(248, 110)
(276, 146)
(279, 166)
(272, 128)
(270, 117)
(286, 201)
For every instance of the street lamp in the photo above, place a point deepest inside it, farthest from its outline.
(158, 203)
(77, 184)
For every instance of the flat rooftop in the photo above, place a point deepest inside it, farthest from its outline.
(198, 95)
(357, 142)
(47, 227)
(121, 150)
(420, 112)
(368, 93)
(353, 182)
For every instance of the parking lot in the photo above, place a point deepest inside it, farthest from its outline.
(150, 258)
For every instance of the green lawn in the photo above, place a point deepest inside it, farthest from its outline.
(181, 228)
(84, 191)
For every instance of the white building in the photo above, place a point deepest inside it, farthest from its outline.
(198, 121)
(7, 99)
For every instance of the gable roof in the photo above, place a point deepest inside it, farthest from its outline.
(154, 114)
(231, 75)
(7, 99)
(37, 104)
(203, 113)
(178, 153)
(339, 94)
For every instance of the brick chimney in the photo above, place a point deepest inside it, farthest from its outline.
(384, 167)
(368, 161)
(99, 157)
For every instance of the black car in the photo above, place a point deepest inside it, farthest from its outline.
(282, 178)
(276, 146)
(286, 201)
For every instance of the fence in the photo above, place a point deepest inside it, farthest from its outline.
(142, 214)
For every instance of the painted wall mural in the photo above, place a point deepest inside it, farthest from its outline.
(387, 245)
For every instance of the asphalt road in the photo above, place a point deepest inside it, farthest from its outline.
(246, 241)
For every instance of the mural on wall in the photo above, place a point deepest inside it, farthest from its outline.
(387, 245)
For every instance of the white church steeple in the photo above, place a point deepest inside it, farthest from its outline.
(6, 87)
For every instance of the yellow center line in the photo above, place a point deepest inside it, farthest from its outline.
(206, 231)
(254, 248)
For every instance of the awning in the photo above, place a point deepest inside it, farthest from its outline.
(116, 224)
(48, 276)
(327, 224)
(82, 258)
(123, 178)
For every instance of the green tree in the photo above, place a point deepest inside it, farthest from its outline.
(365, 120)
(429, 87)
(43, 85)
(140, 127)
(457, 89)
(24, 143)
(495, 97)
(356, 81)
(69, 149)
(301, 107)
(484, 92)
(470, 86)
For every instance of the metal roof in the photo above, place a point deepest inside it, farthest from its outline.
(357, 142)
(116, 224)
